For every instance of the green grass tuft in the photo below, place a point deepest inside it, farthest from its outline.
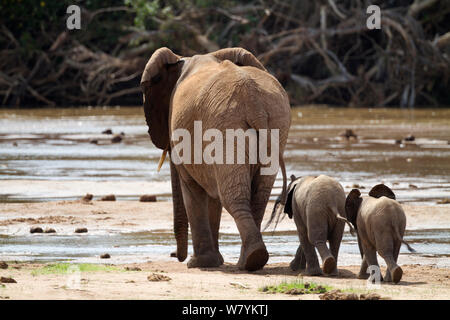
(68, 268)
(296, 287)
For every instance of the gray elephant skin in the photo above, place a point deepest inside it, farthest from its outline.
(317, 205)
(226, 89)
(380, 223)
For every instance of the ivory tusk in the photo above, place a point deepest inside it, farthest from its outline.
(161, 160)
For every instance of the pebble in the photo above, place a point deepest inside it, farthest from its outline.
(348, 133)
(117, 138)
(109, 197)
(7, 280)
(147, 198)
(36, 230)
(87, 197)
(158, 277)
(339, 295)
(105, 256)
(370, 296)
(81, 230)
(133, 269)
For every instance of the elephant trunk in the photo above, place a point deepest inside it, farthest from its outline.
(180, 220)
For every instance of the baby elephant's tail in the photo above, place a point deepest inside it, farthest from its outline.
(411, 249)
(399, 237)
(352, 230)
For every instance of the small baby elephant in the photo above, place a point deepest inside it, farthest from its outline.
(380, 224)
(318, 207)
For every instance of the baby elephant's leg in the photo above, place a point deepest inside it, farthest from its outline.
(319, 239)
(306, 249)
(388, 247)
(363, 270)
(312, 263)
(394, 272)
(370, 259)
(335, 242)
(299, 262)
(328, 260)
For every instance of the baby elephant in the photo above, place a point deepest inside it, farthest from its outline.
(318, 207)
(380, 223)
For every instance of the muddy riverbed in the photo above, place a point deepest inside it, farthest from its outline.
(49, 155)
(54, 144)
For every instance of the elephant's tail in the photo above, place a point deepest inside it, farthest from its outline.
(278, 207)
(399, 237)
(352, 230)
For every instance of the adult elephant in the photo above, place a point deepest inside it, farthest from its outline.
(226, 89)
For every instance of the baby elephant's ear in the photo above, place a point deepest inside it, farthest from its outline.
(288, 205)
(381, 190)
(352, 204)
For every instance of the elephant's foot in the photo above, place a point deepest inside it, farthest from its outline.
(329, 265)
(312, 271)
(395, 274)
(254, 258)
(220, 258)
(295, 265)
(210, 260)
(364, 275)
(334, 273)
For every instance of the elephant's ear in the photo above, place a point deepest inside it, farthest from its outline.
(158, 80)
(381, 190)
(238, 56)
(288, 205)
(352, 204)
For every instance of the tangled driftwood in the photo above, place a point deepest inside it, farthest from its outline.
(321, 51)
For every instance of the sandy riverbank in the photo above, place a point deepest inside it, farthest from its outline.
(226, 282)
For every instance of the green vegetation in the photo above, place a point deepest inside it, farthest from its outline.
(69, 268)
(296, 287)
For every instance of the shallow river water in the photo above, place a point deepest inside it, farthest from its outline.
(54, 144)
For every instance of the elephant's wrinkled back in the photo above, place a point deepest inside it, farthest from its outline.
(226, 96)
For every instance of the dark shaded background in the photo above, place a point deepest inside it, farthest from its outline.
(321, 51)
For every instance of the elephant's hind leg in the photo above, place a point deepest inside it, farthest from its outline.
(394, 272)
(254, 254)
(312, 263)
(236, 198)
(335, 243)
(319, 239)
(369, 259)
(196, 203)
(328, 260)
(215, 213)
(261, 189)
